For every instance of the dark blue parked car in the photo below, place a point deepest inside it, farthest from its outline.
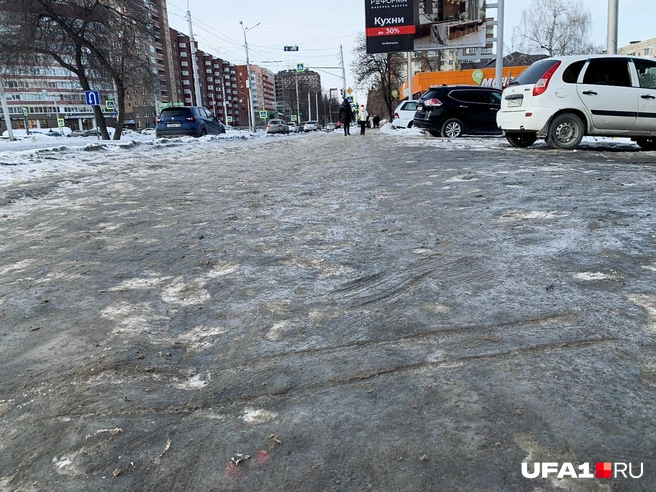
(194, 121)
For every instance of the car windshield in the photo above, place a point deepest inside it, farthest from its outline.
(533, 73)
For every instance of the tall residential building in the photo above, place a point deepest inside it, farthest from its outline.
(263, 88)
(297, 92)
(141, 108)
(218, 78)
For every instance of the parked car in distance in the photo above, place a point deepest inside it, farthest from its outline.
(277, 126)
(84, 133)
(453, 111)
(404, 114)
(331, 126)
(311, 126)
(194, 121)
(563, 99)
(293, 127)
(148, 131)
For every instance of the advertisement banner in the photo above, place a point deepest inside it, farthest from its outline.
(390, 25)
(450, 24)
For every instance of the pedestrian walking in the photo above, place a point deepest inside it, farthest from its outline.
(376, 121)
(345, 116)
(363, 118)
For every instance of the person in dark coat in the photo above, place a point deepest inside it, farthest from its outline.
(345, 116)
(376, 121)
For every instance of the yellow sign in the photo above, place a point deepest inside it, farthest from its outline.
(349, 91)
(61, 123)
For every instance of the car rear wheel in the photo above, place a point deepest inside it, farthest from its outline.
(203, 132)
(646, 143)
(521, 139)
(410, 125)
(565, 132)
(452, 128)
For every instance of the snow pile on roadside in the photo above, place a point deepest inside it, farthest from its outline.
(388, 129)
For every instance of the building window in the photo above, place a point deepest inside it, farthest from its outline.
(184, 64)
(183, 54)
(182, 45)
(185, 73)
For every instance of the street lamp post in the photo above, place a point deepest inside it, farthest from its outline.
(194, 60)
(251, 116)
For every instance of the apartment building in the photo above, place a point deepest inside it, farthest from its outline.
(219, 91)
(295, 92)
(49, 94)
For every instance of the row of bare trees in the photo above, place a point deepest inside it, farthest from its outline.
(93, 39)
(552, 27)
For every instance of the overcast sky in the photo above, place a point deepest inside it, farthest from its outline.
(319, 27)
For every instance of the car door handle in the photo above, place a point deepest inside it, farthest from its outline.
(647, 96)
(463, 106)
(590, 93)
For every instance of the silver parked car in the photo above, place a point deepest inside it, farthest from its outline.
(277, 126)
(311, 126)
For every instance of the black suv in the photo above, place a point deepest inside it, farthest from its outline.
(454, 110)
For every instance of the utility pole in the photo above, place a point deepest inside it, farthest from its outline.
(309, 106)
(613, 8)
(410, 75)
(298, 104)
(225, 104)
(194, 61)
(341, 57)
(251, 116)
(5, 111)
(498, 79)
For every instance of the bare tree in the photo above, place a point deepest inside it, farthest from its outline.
(557, 27)
(380, 73)
(93, 39)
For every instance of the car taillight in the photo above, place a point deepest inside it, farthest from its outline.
(541, 85)
(396, 115)
(158, 120)
(191, 118)
(432, 102)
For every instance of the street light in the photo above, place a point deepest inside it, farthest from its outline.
(251, 115)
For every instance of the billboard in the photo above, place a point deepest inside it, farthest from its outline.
(390, 25)
(424, 25)
(449, 24)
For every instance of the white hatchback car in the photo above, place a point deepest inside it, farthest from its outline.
(404, 113)
(562, 99)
